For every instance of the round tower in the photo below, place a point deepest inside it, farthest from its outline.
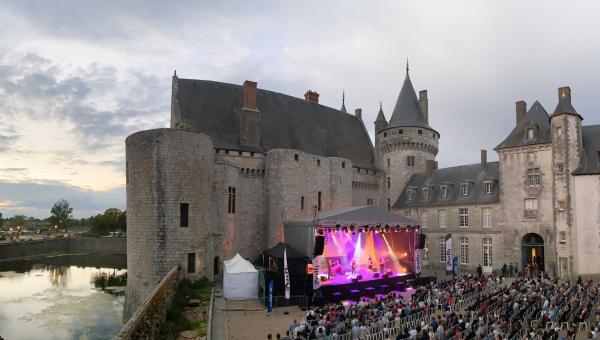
(168, 180)
(407, 142)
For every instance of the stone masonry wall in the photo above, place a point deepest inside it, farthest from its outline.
(288, 180)
(166, 167)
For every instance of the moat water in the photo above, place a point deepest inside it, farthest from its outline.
(74, 296)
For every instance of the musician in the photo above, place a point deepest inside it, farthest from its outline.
(370, 265)
(353, 267)
(381, 265)
(329, 269)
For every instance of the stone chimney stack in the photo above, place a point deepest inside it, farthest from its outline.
(358, 113)
(250, 118)
(424, 104)
(483, 159)
(521, 109)
(430, 166)
(250, 95)
(564, 94)
(311, 97)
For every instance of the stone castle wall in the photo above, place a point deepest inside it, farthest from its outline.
(367, 187)
(166, 167)
(288, 180)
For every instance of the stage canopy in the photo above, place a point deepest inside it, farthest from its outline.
(299, 232)
(240, 280)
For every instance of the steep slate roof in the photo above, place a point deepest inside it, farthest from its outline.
(453, 177)
(536, 114)
(407, 111)
(214, 108)
(564, 105)
(380, 115)
(590, 162)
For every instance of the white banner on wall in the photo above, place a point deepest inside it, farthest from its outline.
(316, 278)
(418, 263)
(448, 254)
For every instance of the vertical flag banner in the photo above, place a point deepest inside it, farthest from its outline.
(316, 270)
(270, 302)
(418, 261)
(448, 254)
(286, 275)
(455, 266)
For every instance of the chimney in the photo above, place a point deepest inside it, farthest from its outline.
(430, 166)
(358, 113)
(250, 117)
(250, 95)
(424, 104)
(311, 97)
(521, 109)
(564, 94)
(483, 159)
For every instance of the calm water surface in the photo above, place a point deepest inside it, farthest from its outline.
(77, 296)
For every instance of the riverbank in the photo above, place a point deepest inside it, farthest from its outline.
(36, 248)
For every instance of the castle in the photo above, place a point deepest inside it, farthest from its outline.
(237, 161)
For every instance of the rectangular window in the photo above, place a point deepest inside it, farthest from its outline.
(425, 193)
(464, 250)
(389, 204)
(191, 263)
(343, 165)
(530, 133)
(442, 218)
(389, 182)
(444, 191)
(488, 187)
(183, 214)
(401, 131)
(302, 203)
(442, 249)
(487, 217)
(231, 200)
(409, 194)
(561, 205)
(563, 237)
(126, 172)
(388, 162)
(487, 252)
(558, 131)
(560, 169)
(424, 219)
(464, 189)
(295, 156)
(420, 132)
(410, 160)
(533, 177)
(369, 201)
(318, 162)
(531, 207)
(463, 217)
(319, 201)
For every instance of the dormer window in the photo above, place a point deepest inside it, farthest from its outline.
(444, 191)
(464, 188)
(425, 193)
(530, 133)
(487, 187)
(409, 194)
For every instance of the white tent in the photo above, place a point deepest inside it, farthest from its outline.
(240, 280)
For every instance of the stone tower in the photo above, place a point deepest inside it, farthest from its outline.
(566, 157)
(169, 200)
(407, 143)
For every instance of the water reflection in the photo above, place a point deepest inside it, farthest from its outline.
(62, 297)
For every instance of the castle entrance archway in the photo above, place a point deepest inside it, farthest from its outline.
(532, 250)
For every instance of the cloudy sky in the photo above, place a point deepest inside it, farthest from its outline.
(76, 77)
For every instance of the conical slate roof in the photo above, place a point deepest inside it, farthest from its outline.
(380, 115)
(407, 111)
(536, 114)
(564, 105)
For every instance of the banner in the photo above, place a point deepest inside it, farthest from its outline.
(455, 266)
(286, 275)
(417, 261)
(316, 270)
(270, 301)
(448, 254)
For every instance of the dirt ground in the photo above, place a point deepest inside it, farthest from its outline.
(248, 320)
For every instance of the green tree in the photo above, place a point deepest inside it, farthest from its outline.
(61, 214)
(19, 220)
(112, 220)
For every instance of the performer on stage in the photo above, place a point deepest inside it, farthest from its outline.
(329, 269)
(381, 265)
(370, 266)
(353, 267)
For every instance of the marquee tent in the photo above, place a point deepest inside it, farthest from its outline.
(240, 280)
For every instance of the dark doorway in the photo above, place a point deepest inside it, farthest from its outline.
(216, 265)
(191, 263)
(532, 250)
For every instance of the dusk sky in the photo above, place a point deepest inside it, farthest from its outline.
(77, 77)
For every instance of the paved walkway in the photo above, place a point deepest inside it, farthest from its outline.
(219, 318)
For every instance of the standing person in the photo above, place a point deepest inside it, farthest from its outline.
(381, 265)
(510, 269)
(353, 267)
(370, 265)
(479, 271)
(516, 269)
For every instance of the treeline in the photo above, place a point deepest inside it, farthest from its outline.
(61, 220)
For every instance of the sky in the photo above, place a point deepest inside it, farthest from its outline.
(77, 77)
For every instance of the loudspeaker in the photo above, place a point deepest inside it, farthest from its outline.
(421, 243)
(376, 274)
(359, 277)
(319, 245)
